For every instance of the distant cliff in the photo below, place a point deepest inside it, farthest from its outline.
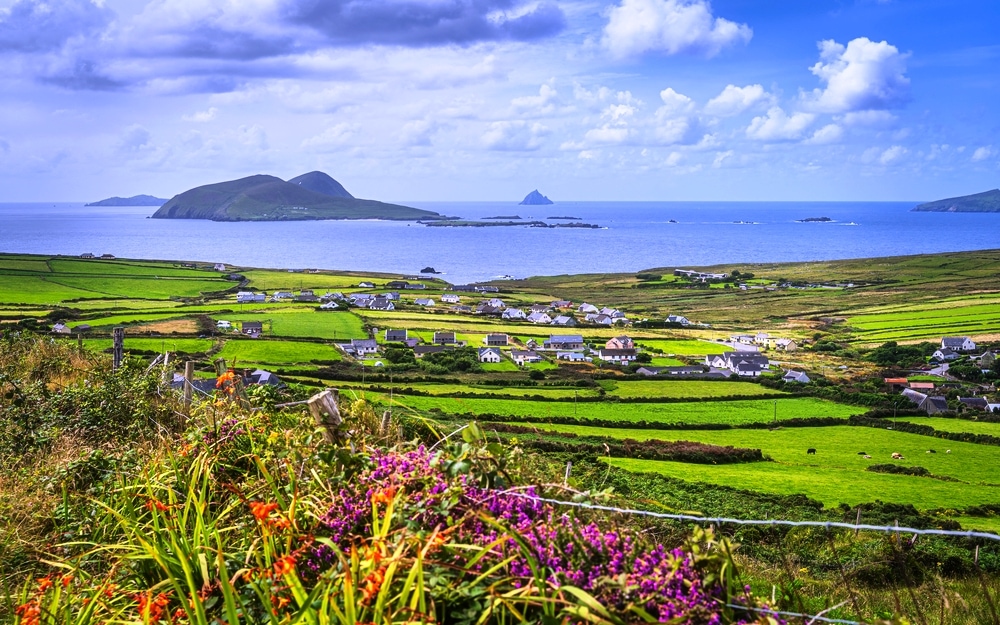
(135, 200)
(312, 196)
(536, 199)
(986, 202)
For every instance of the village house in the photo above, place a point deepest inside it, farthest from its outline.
(562, 304)
(397, 284)
(678, 319)
(60, 328)
(361, 347)
(306, 295)
(743, 339)
(786, 345)
(422, 350)
(958, 343)
(366, 285)
(745, 364)
(699, 276)
(219, 267)
(541, 308)
(599, 319)
(496, 340)
(563, 320)
(391, 296)
(487, 289)
(449, 298)
(80, 329)
(444, 338)
(564, 342)
(278, 296)
(86, 255)
(332, 295)
(107, 256)
(381, 303)
(395, 336)
(617, 356)
(418, 286)
(539, 317)
(514, 313)
(495, 302)
(620, 342)
(461, 308)
(331, 305)
(763, 339)
(571, 356)
(531, 344)
(586, 308)
(490, 354)
(944, 354)
(253, 329)
(361, 300)
(975, 403)
(222, 324)
(486, 309)
(614, 313)
(675, 371)
(934, 405)
(796, 376)
(249, 297)
(423, 301)
(524, 357)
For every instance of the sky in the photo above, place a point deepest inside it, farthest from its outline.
(463, 100)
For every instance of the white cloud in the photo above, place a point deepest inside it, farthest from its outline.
(419, 132)
(514, 136)
(202, 116)
(734, 100)
(831, 133)
(721, 158)
(541, 104)
(333, 138)
(675, 103)
(862, 76)
(674, 122)
(779, 126)
(669, 27)
(886, 157)
(983, 153)
(134, 138)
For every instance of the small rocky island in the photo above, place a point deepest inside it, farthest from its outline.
(429, 270)
(567, 218)
(462, 223)
(311, 196)
(535, 199)
(135, 200)
(814, 220)
(505, 217)
(986, 202)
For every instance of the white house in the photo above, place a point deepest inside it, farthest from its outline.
(620, 342)
(745, 339)
(763, 339)
(423, 301)
(586, 308)
(249, 297)
(678, 319)
(944, 354)
(958, 343)
(796, 376)
(366, 285)
(563, 320)
(60, 328)
(329, 305)
(222, 324)
(564, 342)
(494, 302)
(539, 317)
(219, 267)
(524, 357)
(599, 319)
(571, 356)
(746, 364)
(489, 354)
(513, 313)
(786, 345)
(450, 298)
(617, 356)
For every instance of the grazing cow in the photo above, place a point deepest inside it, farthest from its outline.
(862, 453)
(947, 451)
(897, 456)
(931, 451)
(811, 450)
(867, 457)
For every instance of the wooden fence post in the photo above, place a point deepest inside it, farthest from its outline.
(325, 411)
(188, 389)
(118, 334)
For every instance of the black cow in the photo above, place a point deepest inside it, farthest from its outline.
(811, 450)
(862, 453)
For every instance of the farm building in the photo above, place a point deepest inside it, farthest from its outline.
(489, 354)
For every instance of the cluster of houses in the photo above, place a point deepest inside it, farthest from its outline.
(952, 347)
(763, 340)
(88, 255)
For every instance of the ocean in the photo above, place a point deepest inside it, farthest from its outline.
(634, 236)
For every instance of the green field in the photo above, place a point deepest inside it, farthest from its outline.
(955, 425)
(340, 326)
(159, 345)
(836, 473)
(682, 347)
(929, 321)
(239, 352)
(732, 412)
(686, 389)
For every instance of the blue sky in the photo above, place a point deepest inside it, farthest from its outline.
(489, 99)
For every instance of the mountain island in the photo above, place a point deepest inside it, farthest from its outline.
(986, 202)
(135, 200)
(311, 196)
(535, 199)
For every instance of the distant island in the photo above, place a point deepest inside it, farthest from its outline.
(311, 196)
(986, 202)
(813, 219)
(567, 218)
(535, 199)
(507, 217)
(461, 223)
(135, 200)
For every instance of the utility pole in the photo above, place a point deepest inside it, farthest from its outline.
(776, 411)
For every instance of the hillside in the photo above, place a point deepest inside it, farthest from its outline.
(986, 202)
(135, 200)
(268, 198)
(535, 199)
(321, 183)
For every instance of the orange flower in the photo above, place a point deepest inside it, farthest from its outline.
(66, 580)
(284, 566)
(372, 584)
(30, 613)
(386, 495)
(44, 584)
(261, 510)
(155, 504)
(151, 608)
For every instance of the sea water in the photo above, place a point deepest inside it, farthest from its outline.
(633, 236)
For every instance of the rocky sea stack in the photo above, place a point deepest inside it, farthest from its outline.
(535, 199)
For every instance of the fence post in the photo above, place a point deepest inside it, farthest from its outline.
(188, 389)
(325, 411)
(119, 346)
